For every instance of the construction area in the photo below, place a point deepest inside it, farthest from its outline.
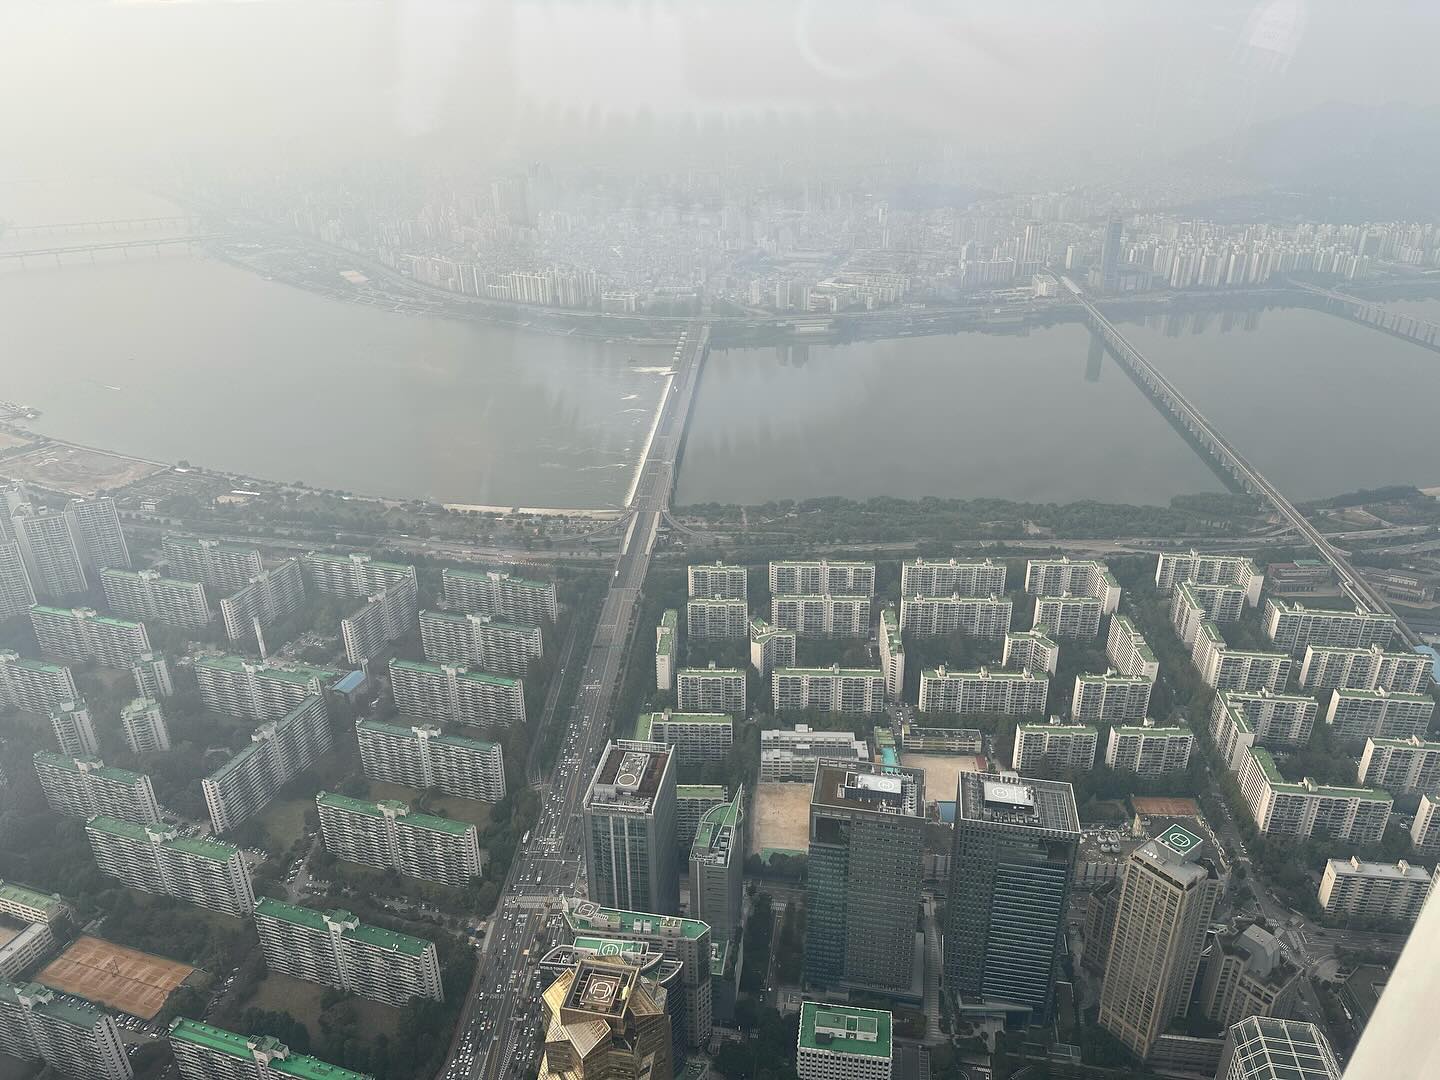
(75, 470)
(131, 981)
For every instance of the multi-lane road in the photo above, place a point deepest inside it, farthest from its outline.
(498, 1029)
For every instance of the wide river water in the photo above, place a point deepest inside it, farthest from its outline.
(182, 357)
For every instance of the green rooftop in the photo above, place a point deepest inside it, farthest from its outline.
(984, 673)
(345, 802)
(848, 673)
(670, 619)
(505, 575)
(23, 894)
(710, 671)
(636, 922)
(293, 673)
(311, 919)
(700, 791)
(1272, 775)
(403, 814)
(32, 665)
(76, 765)
(219, 1041)
(844, 1029)
(214, 850)
(1154, 729)
(1065, 729)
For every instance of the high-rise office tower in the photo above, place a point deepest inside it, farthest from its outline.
(603, 1021)
(1015, 843)
(842, 1042)
(866, 841)
(1268, 1048)
(717, 865)
(76, 1040)
(1167, 896)
(629, 811)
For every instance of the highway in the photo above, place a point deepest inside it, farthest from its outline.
(1234, 463)
(500, 1020)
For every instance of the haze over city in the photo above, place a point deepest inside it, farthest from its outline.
(754, 541)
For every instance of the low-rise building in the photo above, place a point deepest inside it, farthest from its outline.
(1053, 746)
(84, 786)
(205, 1052)
(158, 860)
(31, 905)
(279, 751)
(666, 649)
(698, 738)
(1304, 809)
(834, 689)
(716, 619)
(1359, 714)
(496, 593)
(452, 637)
(1294, 627)
(1300, 576)
(76, 1040)
(456, 695)
(1030, 650)
(974, 616)
(710, 690)
(1400, 765)
(25, 949)
(918, 739)
(789, 755)
(334, 948)
(1374, 890)
(1011, 693)
(821, 614)
(1149, 749)
(770, 648)
(1373, 668)
(423, 757)
(144, 594)
(843, 1042)
(1111, 698)
(1128, 651)
(390, 836)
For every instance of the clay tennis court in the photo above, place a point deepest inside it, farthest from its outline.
(126, 979)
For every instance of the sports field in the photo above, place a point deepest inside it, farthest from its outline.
(134, 982)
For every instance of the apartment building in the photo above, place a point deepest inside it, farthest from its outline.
(157, 859)
(390, 836)
(710, 690)
(821, 614)
(696, 738)
(220, 564)
(837, 578)
(279, 751)
(718, 579)
(334, 948)
(892, 653)
(451, 637)
(387, 615)
(1175, 568)
(982, 577)
(1191, 605)
(205, 1052)
(258, 691)
(1149, 749)
(1425, 831)
(1128, 651)
(1400, 765)
(265, 599)
(498, 594)
(936, 616)
(1247, 973)
(74, 1039)
(17, 594)
(1374, 890)
(50, 551)
(834, 689)
(1111, 698)
(1030, 650)
(667, 649)
(1280, 808)
(85, 786)
(142, 725)
(34, 685)
(151, 673)
(1053, 747)
(1072, 617)
(453, 694)
(1294, 627)
(144, 594)
(82, 636)
(1011, 693)
(74, 730)
(1224, 668)
(1364, 669)
(1359, 714)
(716, 619)
(1065, 577)
(1241, 719)
(422, 757)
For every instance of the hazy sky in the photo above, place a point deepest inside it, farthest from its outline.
(1100, 81)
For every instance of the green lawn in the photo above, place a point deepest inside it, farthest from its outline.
(471, 810)
(284, 822)
(301, 1000)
